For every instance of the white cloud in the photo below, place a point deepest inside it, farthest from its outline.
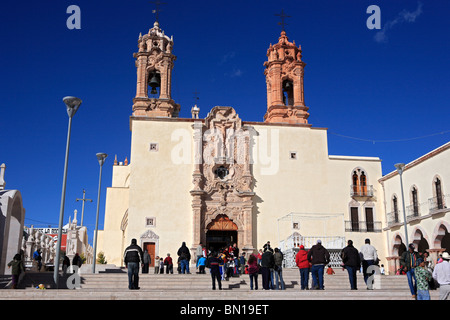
(404, 16)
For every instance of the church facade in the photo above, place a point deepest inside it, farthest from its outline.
(222, 179)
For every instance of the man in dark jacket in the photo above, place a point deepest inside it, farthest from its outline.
(408, 261)
(319, 257)
(185, 256)
(132, 256)
(267, 264)
(213, 263)
(352, 262)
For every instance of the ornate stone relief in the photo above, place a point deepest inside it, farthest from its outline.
(222, 179)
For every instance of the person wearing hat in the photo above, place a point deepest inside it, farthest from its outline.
(423, 276)
(441, 274)
(301, 259)
(408, 261)
(319, 258)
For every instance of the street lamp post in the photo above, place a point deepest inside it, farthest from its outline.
(101, 160)
(72, 105)
(400, 168)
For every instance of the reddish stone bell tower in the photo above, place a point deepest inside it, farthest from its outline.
(284, 79)
(154, 62)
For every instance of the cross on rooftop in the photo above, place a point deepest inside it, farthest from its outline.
(157, 3)
(282, 15)
(196, 95)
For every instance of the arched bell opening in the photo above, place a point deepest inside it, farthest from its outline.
(154, 82)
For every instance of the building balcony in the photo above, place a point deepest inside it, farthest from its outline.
(438, 204)
(363, 226)
(361, 191)
(393, 219)
(413, 212)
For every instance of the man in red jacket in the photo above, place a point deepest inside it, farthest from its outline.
(301, 259)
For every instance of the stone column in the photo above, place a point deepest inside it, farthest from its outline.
(197, 191)
(141, 76)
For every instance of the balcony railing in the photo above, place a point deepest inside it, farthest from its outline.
(438, 203)
(413, 212)
(393, 218)
(363, 226)
(361, 191)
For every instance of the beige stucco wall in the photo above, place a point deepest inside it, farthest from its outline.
(313, 184)
(421, 174)
(161, 181)
(156, 184)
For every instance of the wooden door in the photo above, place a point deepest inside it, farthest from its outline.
(150, 247)
(354, 219)
(369, 220)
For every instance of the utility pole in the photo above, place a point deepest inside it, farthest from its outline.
(82, 208)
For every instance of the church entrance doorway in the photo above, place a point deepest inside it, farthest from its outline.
(222, 232)
(150, 247)
(216, 239)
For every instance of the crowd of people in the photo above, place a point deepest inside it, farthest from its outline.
(421, 272)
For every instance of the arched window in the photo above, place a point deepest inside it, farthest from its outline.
(395, 208)
(415, 201)
(359, 187)
(355, 183)
(363, 183)
(438, 189)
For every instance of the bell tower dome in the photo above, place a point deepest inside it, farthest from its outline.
(284, 79)
(154, 63)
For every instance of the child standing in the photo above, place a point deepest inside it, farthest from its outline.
(201, 265)
(423, 276)
(157, 265)
(161, 265)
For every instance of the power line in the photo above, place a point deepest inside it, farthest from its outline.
(391, 140)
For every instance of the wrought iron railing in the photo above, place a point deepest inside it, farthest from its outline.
(363, 226)
(412, 212)
(393, 218)
(438, 203)
(361, 191)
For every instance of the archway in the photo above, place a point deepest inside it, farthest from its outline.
(221, 233)
(11, 227)
(442, 239)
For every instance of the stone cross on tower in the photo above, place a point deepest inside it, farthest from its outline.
(284, 80)
(157, 3)
(154, 63)
(282, 16)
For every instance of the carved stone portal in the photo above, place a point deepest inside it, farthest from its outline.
(223, 183)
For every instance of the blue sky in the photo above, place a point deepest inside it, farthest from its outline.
(390, 96)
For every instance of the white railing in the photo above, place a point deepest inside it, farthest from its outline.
(291, 245)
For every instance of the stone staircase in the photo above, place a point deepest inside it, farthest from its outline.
(113, 285)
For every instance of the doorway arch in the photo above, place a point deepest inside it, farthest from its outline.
(12, 215)
(221, 232)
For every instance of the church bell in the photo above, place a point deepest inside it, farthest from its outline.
(287, 86)
(154, 83)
